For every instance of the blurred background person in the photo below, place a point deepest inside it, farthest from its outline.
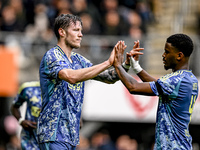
(84, 143)
(8, 131)
(124, 142)
(90, 27)
(9, 20)
(30, 93)
(101, 140)
(114, 24)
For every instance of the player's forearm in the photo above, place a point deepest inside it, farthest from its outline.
(15, 112)
(108, 76)
(126, 79)
(74, 76)
(133, 86)
(145, 77)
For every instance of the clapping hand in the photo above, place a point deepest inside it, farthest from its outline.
(119, 53)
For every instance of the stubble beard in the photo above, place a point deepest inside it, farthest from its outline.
(72, 45)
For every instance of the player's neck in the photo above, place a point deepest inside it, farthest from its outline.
(67, 50)
(182, 67)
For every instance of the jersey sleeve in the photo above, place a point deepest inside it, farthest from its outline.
(166, 85)
(55, 62)
(21, 97)
(85, 63)
(154, 88)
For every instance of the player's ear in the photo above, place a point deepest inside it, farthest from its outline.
(180, 55)
(61, 32)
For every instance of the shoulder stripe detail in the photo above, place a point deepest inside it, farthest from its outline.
(58, 48)
(29, 84)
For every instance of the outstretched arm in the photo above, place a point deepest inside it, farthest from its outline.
(74, 76)
(131, 84)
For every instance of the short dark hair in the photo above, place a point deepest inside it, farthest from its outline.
(182, 42)
(63, 21)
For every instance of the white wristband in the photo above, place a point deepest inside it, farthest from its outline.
(125, 65)
(135, 65)
(20, 120)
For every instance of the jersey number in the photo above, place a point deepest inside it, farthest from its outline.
(193, 99)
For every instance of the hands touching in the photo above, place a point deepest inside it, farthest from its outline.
(135, 52)
(120, 45)
(119, 53)
(132, 58)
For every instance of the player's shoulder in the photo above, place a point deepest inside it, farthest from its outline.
(80, 57)
(179, 74)
(187, 74)
(54, 50)
(29, 84)
(76, 54)
(55, 53)
(191, 78)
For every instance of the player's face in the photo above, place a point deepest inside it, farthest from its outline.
(169, 56)
(74, 35)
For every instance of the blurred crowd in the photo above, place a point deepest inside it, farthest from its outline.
(102, 141)
(34, 19)
(102, 17)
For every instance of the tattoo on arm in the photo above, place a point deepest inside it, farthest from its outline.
(108, 76)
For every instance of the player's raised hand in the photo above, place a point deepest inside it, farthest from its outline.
(135, 52)
(119, 53)
(134, 59)
(112, 55)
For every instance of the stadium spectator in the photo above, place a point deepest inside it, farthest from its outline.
(135, 22)
(135, 33)
(114, 24)
(19, 11)
(108, 5)
(80, 7)
(26, 12)
(63, 7)
(143, 10)
(84, 143)
(124, 142)
(9, 20)
(101, 140)
(90, 27)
